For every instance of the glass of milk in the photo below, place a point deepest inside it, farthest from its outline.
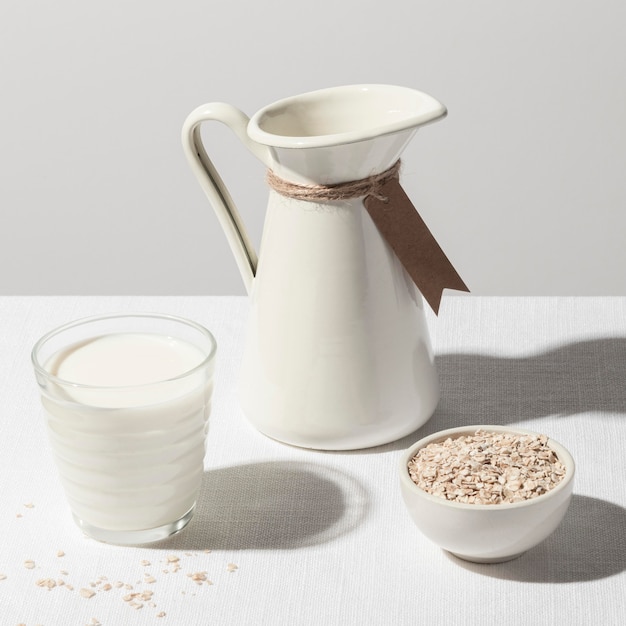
(127, 399)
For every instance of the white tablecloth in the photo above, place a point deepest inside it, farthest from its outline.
(323, 538)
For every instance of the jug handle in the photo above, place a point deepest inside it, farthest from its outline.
(212, 184)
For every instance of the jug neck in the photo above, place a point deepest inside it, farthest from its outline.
(341, 163)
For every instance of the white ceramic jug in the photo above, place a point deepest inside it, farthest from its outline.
(338, 354)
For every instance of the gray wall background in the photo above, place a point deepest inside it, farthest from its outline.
(523, 183)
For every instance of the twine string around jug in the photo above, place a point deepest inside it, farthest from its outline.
(370, 186)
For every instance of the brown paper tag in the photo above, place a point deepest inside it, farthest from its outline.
(406, 232)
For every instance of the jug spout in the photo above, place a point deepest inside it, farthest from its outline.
(342, 133)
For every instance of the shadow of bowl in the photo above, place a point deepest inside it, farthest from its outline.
(589, 544)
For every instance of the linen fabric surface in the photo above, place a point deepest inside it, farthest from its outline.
(293, 536)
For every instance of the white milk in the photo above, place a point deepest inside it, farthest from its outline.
(130, 441)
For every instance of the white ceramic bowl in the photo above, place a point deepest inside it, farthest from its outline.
(486, 533)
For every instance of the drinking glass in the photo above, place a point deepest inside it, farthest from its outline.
(127, 399)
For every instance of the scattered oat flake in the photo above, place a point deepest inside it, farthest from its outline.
(29, 564)
(198, 577)
(64, 572)
(107, 587)
(30, 505)
(19, 515)
(172, 558)
(231, 567)
(60, 553)
(150, 579)
(69, 587)
(161, 614)
(87, 593)
(145, 563)
(48, 583)
(3, 576)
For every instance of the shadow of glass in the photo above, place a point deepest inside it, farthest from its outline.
(589, 544)
(271, 506)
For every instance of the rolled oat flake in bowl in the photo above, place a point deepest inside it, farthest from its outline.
(487, 468)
